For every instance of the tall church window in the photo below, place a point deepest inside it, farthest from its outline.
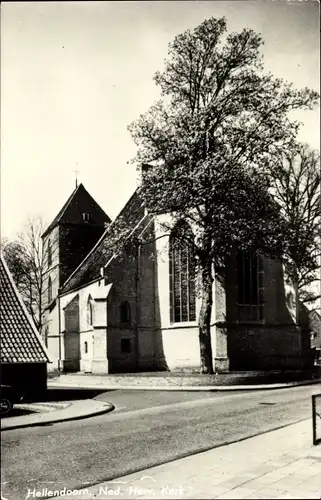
(49, 290)
(181, 276)
(125, 312)
(46, 336)
(90, 311)
(49, 252)
(250, 286)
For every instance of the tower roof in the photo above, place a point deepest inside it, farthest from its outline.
(80, 201)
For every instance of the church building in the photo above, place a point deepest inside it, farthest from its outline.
(137, 308)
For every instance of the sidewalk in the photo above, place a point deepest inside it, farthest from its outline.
(62, 412)
(275, 465)
(162, 382)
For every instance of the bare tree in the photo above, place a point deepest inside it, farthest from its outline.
(27, 260)
(17, 261)
(296, 179)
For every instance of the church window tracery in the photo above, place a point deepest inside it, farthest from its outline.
(182, 276)
(49, 289)
(250, 286)
(90, 311)
(49, 251)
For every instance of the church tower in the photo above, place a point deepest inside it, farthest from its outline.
(66, 242)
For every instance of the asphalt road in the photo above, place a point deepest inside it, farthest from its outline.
(147, 428)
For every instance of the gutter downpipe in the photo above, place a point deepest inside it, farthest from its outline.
(59, 326)
(137, 306)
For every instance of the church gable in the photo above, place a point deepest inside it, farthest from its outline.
(83, 209)
(80, 208)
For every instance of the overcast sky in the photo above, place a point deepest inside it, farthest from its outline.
(74, 75)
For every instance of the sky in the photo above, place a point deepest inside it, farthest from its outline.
(74, 75)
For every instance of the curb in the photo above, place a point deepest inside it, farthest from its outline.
(43, 407)
(182, 456)
(105, 408)
(205, 388)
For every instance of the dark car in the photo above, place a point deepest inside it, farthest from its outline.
(8, 397)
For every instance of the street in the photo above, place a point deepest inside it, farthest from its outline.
(145, 429)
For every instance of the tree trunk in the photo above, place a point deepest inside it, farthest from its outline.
(39, 312)
(205, 320)
(297, 303)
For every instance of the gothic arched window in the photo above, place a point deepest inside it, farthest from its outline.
(181, 275)
(49, 290)
(250, 286)
(46, 336)
(49, 252)
(125, 312)
(90, 311)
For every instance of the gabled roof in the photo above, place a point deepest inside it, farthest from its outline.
(20, 341)
(70, 208)
(61, 212)
(98, 257)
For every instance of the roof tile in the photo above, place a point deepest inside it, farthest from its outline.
(20, 342)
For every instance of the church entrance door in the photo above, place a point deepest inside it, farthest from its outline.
(72, 352)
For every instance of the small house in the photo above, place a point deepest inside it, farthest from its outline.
(24, 356)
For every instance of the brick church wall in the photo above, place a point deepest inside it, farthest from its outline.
(75, 242)
(274, 343)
